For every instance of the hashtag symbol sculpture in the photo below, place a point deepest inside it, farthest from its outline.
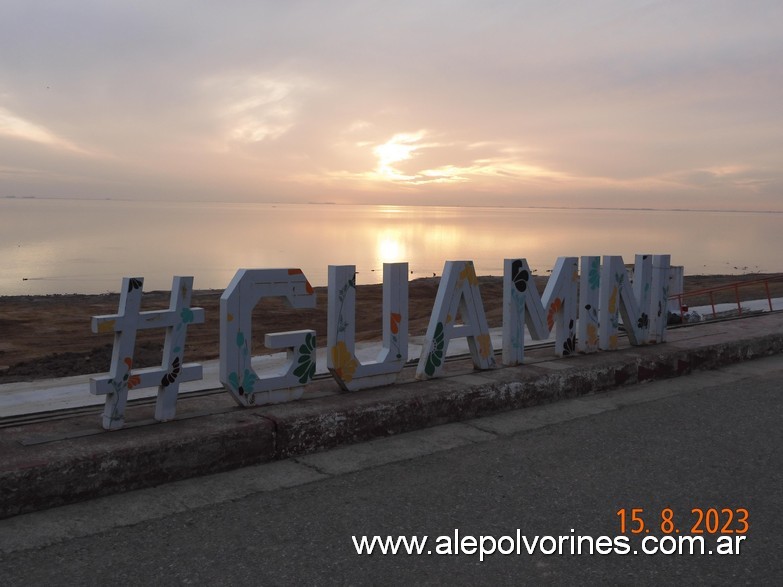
(128, 320)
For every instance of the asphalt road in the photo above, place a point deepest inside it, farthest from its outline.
(710, 440)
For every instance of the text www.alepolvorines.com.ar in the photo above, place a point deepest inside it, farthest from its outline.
(570, 544)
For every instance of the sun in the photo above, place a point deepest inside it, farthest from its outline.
(399, 148)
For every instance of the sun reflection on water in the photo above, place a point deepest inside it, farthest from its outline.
(43, 243)
(390, 248)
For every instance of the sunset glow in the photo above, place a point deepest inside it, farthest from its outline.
(629, 104)
(390, 250)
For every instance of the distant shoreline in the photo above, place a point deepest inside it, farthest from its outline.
(723, 277)
(396, 205)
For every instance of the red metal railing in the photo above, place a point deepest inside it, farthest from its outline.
(710, 292)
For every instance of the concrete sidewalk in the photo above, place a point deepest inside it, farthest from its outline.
(46, 395)
(56, 462)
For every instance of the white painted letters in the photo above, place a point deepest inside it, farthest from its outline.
(248, 287)
(602, 295)
(458, 293)
(522, 304)
(349, 372)
(170, 374)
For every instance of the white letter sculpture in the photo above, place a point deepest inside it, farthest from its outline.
(589, 289)
(248, 287)
(170, 374)
(522, 304)
(642, 306)
(458, 292)
(341, 330)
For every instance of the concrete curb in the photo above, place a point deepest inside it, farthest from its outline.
(82, 464)
(68, 471)
(325, 423)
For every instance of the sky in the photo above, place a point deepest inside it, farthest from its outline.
(599, 103)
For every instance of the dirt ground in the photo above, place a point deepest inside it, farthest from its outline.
(51, 336)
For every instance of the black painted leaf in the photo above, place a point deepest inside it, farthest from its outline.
(519, 276)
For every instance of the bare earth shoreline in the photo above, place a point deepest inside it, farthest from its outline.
(50, 336)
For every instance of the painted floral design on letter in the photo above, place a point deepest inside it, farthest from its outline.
(569, 344)
(186, 315)
(394, 326)
(554, 308)
(128, 381)
(594, 274)
(308, 288)
(243, 383)
(344, 363)
(107, 326)
(613, 301)
(519, 276)
(246, 384)
(485, 345)
(592, 334)
(172, 374)
(435, 356)
(305, 370)
(394, 322)
(469, 273)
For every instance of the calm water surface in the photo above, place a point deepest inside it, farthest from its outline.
(87, 246)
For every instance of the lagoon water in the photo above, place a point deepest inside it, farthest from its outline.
(51, 246)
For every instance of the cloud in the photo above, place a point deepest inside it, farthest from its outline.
(411, 159)
(255, 108)
(16, 127)
(736, 178)
(257, 100)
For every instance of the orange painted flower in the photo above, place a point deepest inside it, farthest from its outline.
(133, 381)
(344, 364)
(613, 341)
(394, 320)
(554, 308)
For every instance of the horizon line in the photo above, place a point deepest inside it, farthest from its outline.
(409, 205)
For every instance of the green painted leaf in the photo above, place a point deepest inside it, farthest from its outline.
(249, 380)
(186, 315)
(308, 375)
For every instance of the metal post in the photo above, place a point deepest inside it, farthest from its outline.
(769, 297)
